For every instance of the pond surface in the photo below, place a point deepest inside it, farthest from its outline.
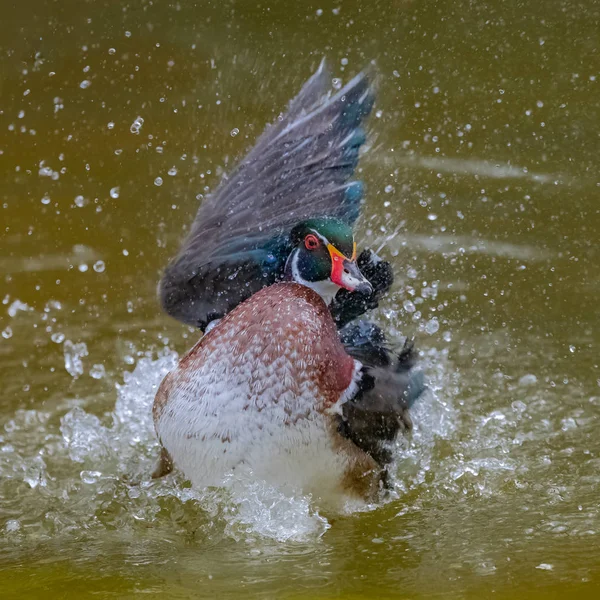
(116, 118)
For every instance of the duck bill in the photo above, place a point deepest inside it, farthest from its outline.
(345, 272)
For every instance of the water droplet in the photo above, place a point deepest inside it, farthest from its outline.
(172, 171)
(388, 189)
(7, 333)
(85, 84)
(99, 266)
(73, 354)
(16, 307)
(572, 349)
(83, 267)
(80, 201)
(409, 307)
(97, 371)
(111, 50)
(115, 192)
(158, 181)
(45, 199)
(411, 273)
(110, 125)
(90, 476)
(447, 336)
(12, 525)
(432, 326)
(519, 406)
(136, 125)
(134, 493)
(234, 132)
(58, 337)
(432, 217)
(528, 379)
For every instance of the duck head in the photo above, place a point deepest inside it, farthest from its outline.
(324, 258)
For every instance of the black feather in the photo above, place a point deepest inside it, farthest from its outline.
(347, 306)
(389, 386)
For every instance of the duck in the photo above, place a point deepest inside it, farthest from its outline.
(289, 383)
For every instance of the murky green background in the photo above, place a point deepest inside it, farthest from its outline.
(482, 176)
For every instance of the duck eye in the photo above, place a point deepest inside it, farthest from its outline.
(311, 242)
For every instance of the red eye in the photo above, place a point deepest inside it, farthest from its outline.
(311, 242)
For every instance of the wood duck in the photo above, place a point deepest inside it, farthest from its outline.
(285, 383)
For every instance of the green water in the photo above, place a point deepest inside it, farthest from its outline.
(482, 176)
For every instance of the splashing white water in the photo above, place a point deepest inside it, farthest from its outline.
(123, 446)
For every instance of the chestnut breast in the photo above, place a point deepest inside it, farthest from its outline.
(285, 321)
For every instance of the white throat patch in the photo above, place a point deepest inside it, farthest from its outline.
(326, 288)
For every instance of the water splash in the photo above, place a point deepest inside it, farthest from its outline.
(118, 452)
(73, 355)
(98, 466)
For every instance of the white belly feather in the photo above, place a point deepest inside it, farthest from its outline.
(216, 422)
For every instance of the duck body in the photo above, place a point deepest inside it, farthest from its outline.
(286, 384)
(263, 393)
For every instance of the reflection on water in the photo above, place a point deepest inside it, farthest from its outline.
(479, 168)
(116, 119)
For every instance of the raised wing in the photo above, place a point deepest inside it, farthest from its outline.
(299, 168)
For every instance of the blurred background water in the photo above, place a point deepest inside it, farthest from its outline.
(116, 118)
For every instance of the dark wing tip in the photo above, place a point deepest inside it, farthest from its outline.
(311, 93)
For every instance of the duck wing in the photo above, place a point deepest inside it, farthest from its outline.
(300, 167)
(390, 385)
